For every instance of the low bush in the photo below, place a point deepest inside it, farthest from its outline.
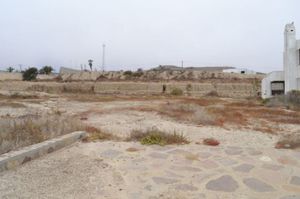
(177, 91)
(212, 94)
(32, 129)
(137, 74)
(290, 141)
(128, 73)
(290, 100)
(30, 74)
(95, 134)
(157, 137)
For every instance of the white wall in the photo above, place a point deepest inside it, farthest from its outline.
(266, 83)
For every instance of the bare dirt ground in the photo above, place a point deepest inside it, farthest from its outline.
(245, 165)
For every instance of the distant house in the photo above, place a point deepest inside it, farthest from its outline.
(280, 82)
(240, 71)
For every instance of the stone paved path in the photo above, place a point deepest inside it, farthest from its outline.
(189, 171)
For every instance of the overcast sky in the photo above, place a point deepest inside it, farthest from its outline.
(145, 33)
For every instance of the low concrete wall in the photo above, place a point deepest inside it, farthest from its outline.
(4, 76)
(15, 158)
(234, 90)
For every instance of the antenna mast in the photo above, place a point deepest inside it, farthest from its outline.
(103, 57)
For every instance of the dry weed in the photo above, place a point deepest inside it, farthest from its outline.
(96, 134)
(31, 129)
(290, 141)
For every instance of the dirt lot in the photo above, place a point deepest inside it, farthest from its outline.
(244, 165)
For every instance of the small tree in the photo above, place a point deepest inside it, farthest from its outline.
(46, 70)
(10, 69)
(128, 73)
(91, 64)
(30, 74)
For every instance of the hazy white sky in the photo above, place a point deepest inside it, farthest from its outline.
(145, 33)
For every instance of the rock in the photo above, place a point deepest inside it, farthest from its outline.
(244, 168)
(290, 197)
(159, 155)
(265, 159)
(208, 164)
(287, 161)
(258, 185)
(224, 183)
(110, 153)
(185, 168)
(272, 167)
(161, 180)
(233, 151)
(254, 152)
(185, 187)
(204, 154)
(227, 161)
(295, 180)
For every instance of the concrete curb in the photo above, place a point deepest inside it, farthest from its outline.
(15, 158)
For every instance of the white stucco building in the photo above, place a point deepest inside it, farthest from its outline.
(279, 82)
(240, 71)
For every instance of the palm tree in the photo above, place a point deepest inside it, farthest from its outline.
(91, 64)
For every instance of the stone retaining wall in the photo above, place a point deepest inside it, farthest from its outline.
(15, 158)
(234, 90)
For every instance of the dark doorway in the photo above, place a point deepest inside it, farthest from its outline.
(277, 87)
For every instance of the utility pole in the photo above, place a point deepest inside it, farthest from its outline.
(103, 57)
(20, 66)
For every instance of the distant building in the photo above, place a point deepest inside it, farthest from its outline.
(240, 71)
(177, 68)
(280, 82)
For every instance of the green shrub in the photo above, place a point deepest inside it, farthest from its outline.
(212, 94)
(157, 137)
(152, 139)
(137, 74)
(30, 74)
(128, 73)
(177, 91)
(189, 87)
(46, 70)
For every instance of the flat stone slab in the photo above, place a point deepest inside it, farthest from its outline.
(159, 155)
(161, 180)
(185, 168)
(291, 197)
(224, 183)
(257, 185)
(186, 187)
(272, 167)
(233, 151)
(295, 180)
(244, 168)
(110, 153)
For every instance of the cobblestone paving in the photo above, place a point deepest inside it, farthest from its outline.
(190, 171)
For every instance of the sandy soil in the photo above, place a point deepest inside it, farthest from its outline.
(109, 170)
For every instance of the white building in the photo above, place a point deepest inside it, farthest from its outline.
(280, 82)
(240, 71)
